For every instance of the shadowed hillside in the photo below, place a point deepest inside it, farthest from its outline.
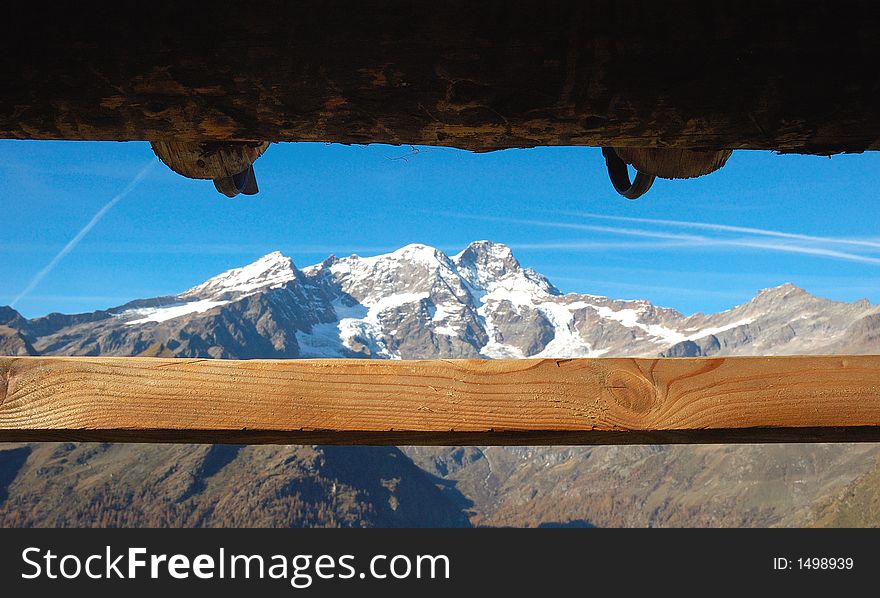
(87, 484)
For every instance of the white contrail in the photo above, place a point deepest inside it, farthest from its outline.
(730, 229)
(688, 239)
(82, 233)
(602, 245)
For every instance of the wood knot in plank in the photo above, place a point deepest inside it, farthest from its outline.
(631, 391)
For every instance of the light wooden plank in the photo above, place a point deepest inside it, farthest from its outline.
(528, 401)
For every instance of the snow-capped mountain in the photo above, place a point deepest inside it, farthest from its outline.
(269, 272)
(417, 302)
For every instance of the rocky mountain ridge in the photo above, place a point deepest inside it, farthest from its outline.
(417, 302)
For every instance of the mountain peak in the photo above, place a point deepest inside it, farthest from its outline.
(496, 258)
(417, 252)
(782, 290)
(787, 287)
(272, 270)
(8, 315)
(484, 263)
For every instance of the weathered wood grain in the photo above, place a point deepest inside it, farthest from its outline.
(789, 75)
(564, 401)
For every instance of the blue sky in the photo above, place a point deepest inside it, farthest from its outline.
(812, 221)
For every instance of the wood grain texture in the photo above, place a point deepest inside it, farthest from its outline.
(789, 75)
(673, 163)
(562, 401)
(208, 160)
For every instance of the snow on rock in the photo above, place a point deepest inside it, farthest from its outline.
(358, 326)
(168, 312)
(485, 265)
(270, 271)
(444, 318)
(631, 318)
(566, 341)
(717, 329)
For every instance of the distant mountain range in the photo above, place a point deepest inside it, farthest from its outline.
(418, 302)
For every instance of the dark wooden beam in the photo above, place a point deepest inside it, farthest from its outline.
(787, 75)
(482, 402)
